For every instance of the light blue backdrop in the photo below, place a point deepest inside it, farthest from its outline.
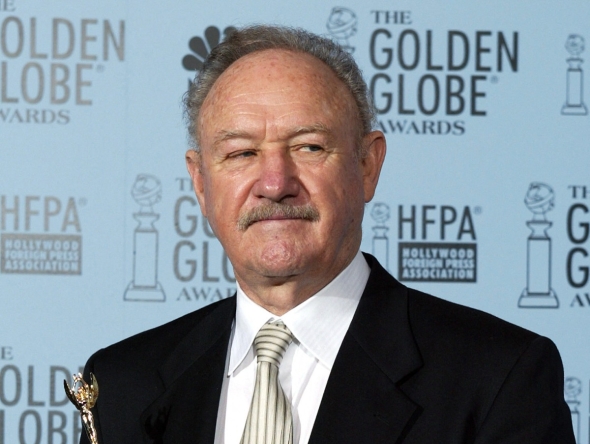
(483, 105)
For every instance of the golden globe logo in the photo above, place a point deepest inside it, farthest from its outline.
(34, 404)
(49, 62)
(429, 81)
(199, 263)
(578, 234)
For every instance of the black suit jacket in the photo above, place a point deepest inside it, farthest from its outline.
(412, 369)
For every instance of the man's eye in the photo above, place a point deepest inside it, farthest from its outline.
(312, 148)
(240, 154)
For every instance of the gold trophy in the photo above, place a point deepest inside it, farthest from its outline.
(84, 397)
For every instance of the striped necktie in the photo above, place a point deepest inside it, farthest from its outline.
(269, 420)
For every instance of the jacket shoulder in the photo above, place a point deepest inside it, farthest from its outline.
(436, 321)
(153, 345)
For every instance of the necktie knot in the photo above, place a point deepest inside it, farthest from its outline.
(272, 342)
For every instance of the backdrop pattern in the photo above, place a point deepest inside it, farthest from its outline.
(484, 199)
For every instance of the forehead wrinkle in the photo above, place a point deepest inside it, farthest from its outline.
(239, 106)
(223, 135)
(267, 103)
(265, 92)
(289, 122)
(314, 128)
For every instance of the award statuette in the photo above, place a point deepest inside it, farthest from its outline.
(573, 389)
(84, 397)
(380, 214)
(574, 104)
(538, 292)
(146, 191)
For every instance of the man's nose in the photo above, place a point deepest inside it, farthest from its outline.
(278, 177)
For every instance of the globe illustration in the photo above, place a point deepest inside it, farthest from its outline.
(147, 190)
(539, 198)
(575, 44)
(380, 212)
(342, 23)
(572, 387)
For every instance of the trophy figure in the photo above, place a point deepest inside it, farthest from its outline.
(574, 104)
(146, 191)
(380, 214)
(342, 25)
(538, 293)
(84, 396)
(572, 389)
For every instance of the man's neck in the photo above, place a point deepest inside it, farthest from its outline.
(281, 297)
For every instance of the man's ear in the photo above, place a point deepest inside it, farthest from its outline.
(374, 149)
(194, 167)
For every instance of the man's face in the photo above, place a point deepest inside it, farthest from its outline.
(277, 176)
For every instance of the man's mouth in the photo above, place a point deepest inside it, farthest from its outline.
(277, 211)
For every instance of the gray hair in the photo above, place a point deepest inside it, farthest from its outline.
(263, 37)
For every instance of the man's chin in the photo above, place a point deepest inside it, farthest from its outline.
(267, 276)
(282, 265)
(279, 270)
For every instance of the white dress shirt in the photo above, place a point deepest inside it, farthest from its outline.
(318, 326)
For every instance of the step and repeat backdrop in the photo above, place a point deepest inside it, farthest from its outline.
(484, 199)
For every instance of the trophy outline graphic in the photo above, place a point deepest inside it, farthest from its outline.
(574, 104)
(538, 293)
(146, 191)
(380, 214)
(572, 389)
(342, 24)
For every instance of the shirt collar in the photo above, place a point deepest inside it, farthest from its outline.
(318, 324)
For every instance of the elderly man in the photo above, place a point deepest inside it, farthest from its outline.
(320, 344)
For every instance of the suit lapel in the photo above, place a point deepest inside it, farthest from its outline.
(364, 399)
(186, 411)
